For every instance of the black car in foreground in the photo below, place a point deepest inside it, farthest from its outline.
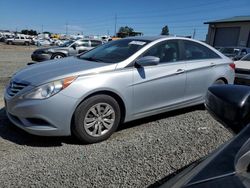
(229, 165)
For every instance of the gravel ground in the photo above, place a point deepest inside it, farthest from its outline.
(12, 58)
(139, 154)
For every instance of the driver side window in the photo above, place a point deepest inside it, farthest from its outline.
(167, 51)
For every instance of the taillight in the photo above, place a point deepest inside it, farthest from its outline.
(232, 65)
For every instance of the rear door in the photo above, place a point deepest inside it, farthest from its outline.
(16, 40)
(84, 45)
(200, 68)
(160, 86)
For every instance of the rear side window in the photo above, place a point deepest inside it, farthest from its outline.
(195, 51)
(84, 43)
(95, 43)
(167, 51)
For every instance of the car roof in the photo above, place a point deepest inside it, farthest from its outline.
(154, 38)
(149, 38)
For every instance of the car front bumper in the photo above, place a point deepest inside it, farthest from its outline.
(48, 117)
(40, 57)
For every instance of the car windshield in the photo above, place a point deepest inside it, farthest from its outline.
(115, 51)
(246, 58)
(66, 44)
(229, 50)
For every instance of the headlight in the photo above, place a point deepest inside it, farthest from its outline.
(47, 90)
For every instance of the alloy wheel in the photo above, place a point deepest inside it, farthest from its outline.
(99, 119)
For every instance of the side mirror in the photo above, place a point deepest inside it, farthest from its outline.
(147, 61)
(230, 105)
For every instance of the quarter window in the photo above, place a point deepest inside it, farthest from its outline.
(167, 51)
(195, 51)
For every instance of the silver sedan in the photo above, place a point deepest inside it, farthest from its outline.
(123, 80)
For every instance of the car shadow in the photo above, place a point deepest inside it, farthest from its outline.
(173, 177)
(160, 116)
(16, 135)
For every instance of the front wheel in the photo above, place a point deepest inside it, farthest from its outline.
(96, 118)
(57, 56)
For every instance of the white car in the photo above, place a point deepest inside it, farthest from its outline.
(42, 42)
(242, 71)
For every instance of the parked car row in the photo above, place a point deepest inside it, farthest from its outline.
(69, 48)
(235, 53)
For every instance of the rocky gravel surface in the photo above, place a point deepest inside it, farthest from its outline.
(139, 154)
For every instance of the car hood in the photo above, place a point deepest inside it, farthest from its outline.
(40, 73)
(242, 64)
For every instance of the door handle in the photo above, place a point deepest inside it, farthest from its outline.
(180, 71)
(212, 64)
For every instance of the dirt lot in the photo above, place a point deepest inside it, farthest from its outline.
(12, 58)
(138, 155)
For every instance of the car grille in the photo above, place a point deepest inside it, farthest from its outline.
(242, 71)
(15, 87)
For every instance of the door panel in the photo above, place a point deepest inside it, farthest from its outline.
(199, 78)
(200, 64)
(156, 87)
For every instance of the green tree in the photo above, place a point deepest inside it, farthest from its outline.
(165, 30)
(125, 31)
(29, 32)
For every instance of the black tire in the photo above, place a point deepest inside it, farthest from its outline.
(219, 82)
(54, 56)
(82, 113)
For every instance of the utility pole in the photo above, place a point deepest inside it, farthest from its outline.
(66, 28)
(42, 28)
(115, 24)
(194, 33)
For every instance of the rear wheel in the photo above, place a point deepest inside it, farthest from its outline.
(57, 56)
(219, 82)
(96, 118)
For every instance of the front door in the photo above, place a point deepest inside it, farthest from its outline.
(161, 86)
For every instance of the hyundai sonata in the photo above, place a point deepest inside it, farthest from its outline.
(123, 80)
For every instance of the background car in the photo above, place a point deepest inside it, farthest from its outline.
(18, 40)
(242, 71)
(235, 53)
(120, 81)
(70, 48)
